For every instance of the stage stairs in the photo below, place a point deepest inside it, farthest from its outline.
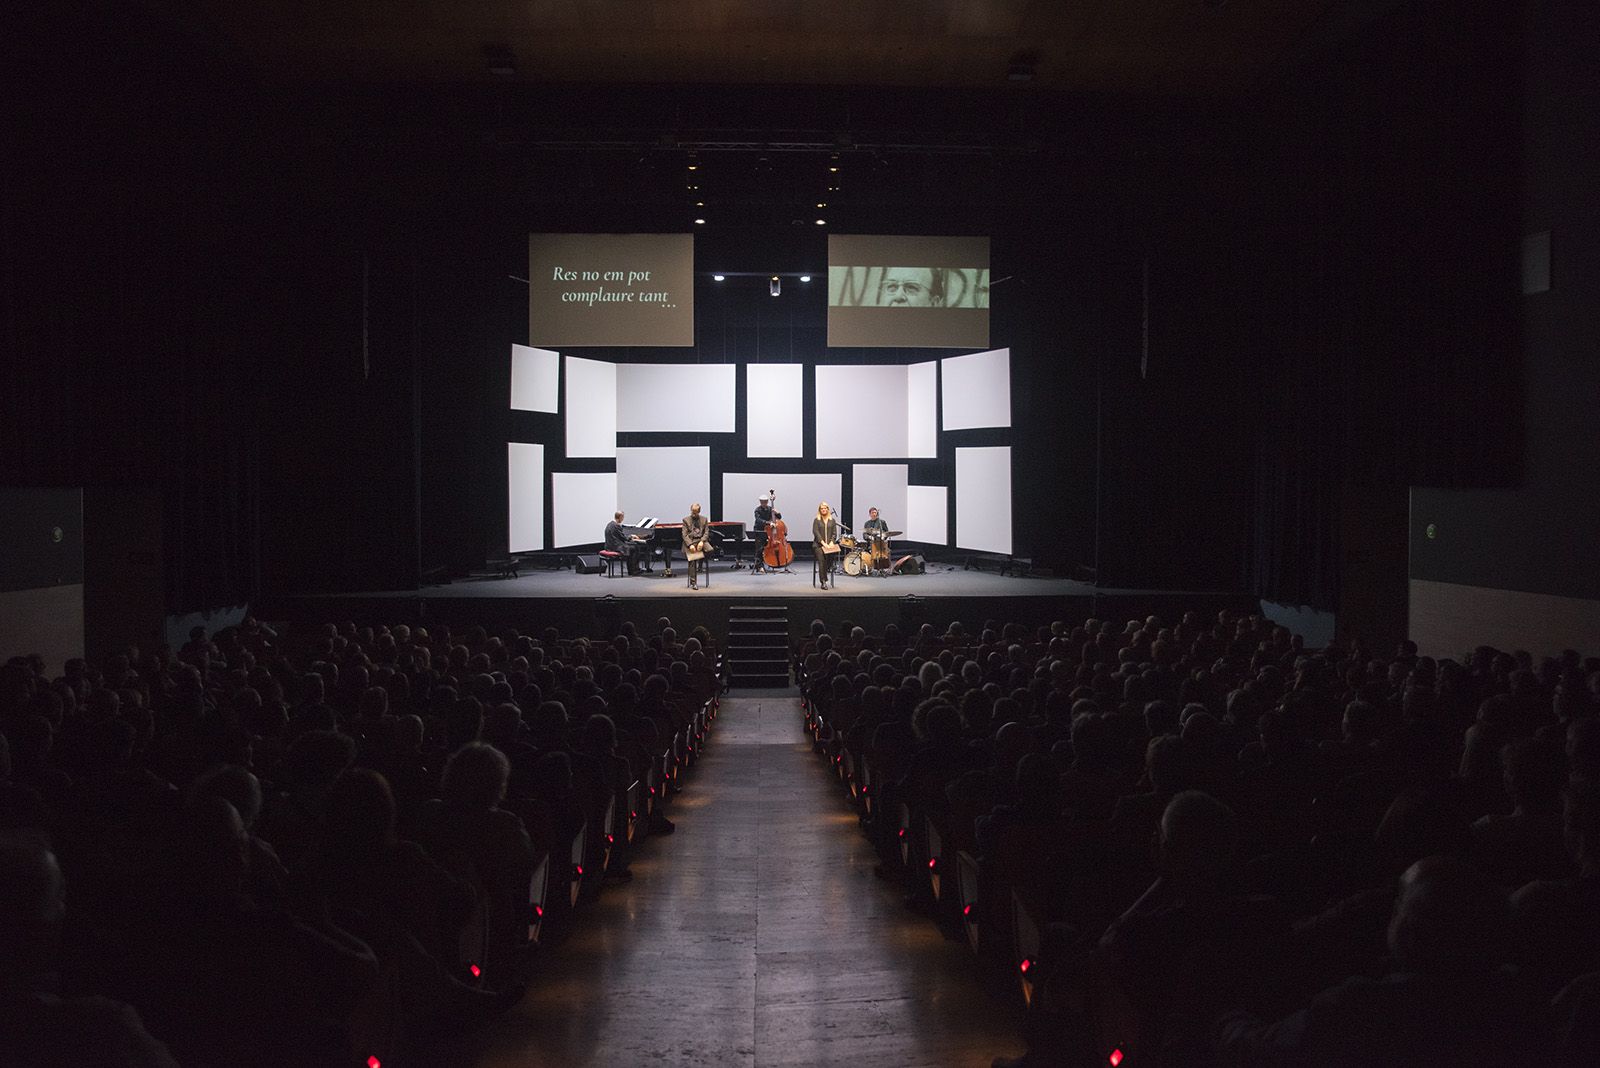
(758, 646)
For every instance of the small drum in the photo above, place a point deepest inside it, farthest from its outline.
(854, 564)
(849, 544)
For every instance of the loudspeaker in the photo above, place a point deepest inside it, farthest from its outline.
(589, 565)
(915, 564)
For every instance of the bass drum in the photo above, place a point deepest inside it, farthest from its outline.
(854, 564)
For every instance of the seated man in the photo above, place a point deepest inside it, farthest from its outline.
(632, 546)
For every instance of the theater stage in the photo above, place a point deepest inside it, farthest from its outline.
(595, 604)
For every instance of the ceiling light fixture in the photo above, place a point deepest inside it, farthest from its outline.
(718, 277)
(805, 278)
(699, 222)
(774, 287)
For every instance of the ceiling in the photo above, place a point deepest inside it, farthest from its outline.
(1162, 47)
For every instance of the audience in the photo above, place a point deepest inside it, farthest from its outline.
(294, 847)
(1212, 827)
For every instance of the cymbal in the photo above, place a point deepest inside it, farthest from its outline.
(893, 533)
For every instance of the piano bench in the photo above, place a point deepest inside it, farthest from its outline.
(612, 560)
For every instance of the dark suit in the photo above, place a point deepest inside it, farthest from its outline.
(763, 520)
(824, 530)
(696, 528)
(618, 541)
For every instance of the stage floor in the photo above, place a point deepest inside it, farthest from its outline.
(941, 580)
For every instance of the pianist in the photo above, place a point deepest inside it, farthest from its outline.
(620, 539)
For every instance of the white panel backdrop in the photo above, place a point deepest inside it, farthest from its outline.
(774, 401)
(582, 504)
(797, 497)
(861, 412)
(977, 390)
(878, 485)
(525, 485)
(664, 481)
(983, 499)
(676, 397)
(922, 409)
(535, 374)
(591, 408)
(927, 519)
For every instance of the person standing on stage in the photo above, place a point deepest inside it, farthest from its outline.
(763, 517)
(825, 541)
(696, 529)
(618, 540)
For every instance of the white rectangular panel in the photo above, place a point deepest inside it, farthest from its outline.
(922, 409)
(534, 377)
(977, 390)
(774, 403)
(983, 499)
(927, 518)
(880, 486)
(861, 412)
(798, 496)
(581, 504)
(591, 408)
(689, 398)
(663, 482)
(525, 500)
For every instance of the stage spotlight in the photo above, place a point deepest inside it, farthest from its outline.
(822, 222)
(718, 277)
(822, 203)
(805, 278)
(699, 222)
(774, 286)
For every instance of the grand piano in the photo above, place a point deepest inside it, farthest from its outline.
(667, 538)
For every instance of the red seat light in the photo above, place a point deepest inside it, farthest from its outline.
(1027, 962)
(933, 863)
(373, 1062)
(1115, 1058)
(475, 970)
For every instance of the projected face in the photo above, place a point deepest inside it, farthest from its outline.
(909, 287)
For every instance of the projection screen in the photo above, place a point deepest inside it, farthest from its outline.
(591, 407)
(880, 486)
(525, 497)
(977, 390)
(908, 292)
(927, 518)
(983, 499)
(534, 376)
(663, 482)
(774, 402)
(885, 410)
(691, 398)
(610, 289)
(581, 505)
(798, 495)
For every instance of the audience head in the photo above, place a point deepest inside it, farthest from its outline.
(476, 776)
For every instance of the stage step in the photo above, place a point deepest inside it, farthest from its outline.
(758, 646)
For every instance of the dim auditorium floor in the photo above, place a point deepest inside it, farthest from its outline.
(755, 935)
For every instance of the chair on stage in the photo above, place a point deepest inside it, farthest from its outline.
(612, 559)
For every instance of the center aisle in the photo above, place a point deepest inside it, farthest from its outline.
(756, 935)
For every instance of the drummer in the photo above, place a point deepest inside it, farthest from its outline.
(875, 527)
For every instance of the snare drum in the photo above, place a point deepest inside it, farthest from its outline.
(849, 544)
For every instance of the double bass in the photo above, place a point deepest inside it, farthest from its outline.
(778, 553)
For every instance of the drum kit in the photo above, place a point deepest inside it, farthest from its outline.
(867, 556)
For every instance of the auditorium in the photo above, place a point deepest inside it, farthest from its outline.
(779, 533)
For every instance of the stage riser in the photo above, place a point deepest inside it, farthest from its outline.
(598, 617)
